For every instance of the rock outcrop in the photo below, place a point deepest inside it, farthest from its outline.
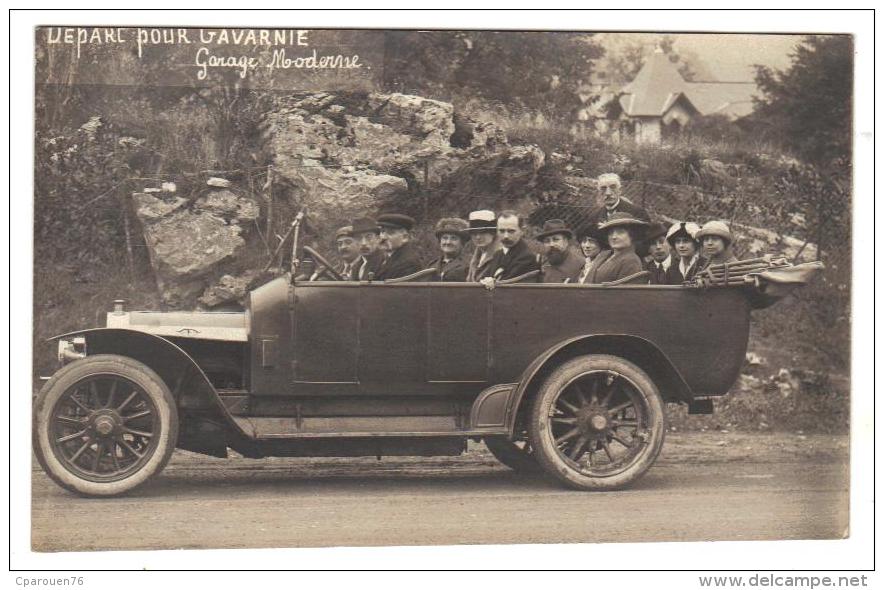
(188, 242)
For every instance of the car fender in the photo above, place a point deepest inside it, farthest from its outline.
(173, 364)
(639, 350)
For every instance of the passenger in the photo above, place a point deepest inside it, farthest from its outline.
(622, 232)
(682, 241)
(452, 235)
(591, 245)
(403, 259)
(483, 234)
(659, 261)
(716, 239)
(609, 188)
(514, 257)
(561, 263)
(348, 250)
(367, 233)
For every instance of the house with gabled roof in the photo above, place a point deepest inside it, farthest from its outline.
(659, 102)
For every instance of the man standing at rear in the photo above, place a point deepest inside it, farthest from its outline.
(609, 189)
(514, 257)
(396, 235)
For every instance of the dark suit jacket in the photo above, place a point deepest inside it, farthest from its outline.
(658, 271)
(514, 263)
(569, 269)
(674, 276)
(368, 265)
(600, 214)
(476, 271)
(454, 271)
(400, 263)
(609, 267)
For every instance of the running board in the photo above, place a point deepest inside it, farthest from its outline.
(267, 428)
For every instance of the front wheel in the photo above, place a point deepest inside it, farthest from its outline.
(104, 425)
(597, 423)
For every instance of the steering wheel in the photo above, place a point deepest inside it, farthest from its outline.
(321, 261)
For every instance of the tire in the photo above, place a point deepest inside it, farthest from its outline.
(517, 457)
(597, 423)
(104, 425)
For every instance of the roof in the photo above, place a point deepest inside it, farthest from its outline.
(658, 86)
(655, 88)
(732, 99)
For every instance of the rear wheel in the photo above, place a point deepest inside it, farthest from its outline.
(104, 425)
(597, 423)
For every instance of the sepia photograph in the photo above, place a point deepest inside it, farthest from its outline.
(391, 286)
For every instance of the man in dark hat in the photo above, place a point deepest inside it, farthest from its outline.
(453, 236)
(514, 257)
(483, 234)
(348, 250)
(403, 259)
(561, 264)
(367, 234)
(658, 254)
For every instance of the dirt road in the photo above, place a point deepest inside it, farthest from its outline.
(704, 486)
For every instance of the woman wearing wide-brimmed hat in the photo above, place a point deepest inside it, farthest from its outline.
(622, 232)
(716, 239)
(686, 259)
(453, 236)
(483, 233)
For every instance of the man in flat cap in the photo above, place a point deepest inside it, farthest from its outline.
(561, 263)
(348, 250)
(367, 234)
(453, 236)
(514, 258)
(483, 234)
(403, 259)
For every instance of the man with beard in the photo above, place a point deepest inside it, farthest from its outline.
(514, 257)
(403, 259)
(658, 254)
(561, 264)
(452, 235)
(367, 234)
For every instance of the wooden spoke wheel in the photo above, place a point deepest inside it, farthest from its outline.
(597, 423)
(103, 425)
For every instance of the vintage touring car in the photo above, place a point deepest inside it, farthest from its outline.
(570, 379)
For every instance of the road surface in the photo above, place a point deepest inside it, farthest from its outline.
(705, 486)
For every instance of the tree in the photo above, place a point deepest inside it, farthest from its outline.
(538, 71)
(809, 105)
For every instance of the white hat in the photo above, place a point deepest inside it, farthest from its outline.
(715, 228)
(686, 229)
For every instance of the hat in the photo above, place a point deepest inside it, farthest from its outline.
(621, 219)
(482, 220)
(591, 231)
(682, 229)
(453, 225)
(715, 228)
(654, 231)
(396, 220)
(344, 232)
(365, 225)
(552, 227)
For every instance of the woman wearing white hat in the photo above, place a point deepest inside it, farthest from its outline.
(483, 233)
(685, 248)
(716, 239)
